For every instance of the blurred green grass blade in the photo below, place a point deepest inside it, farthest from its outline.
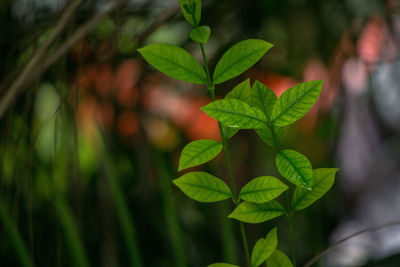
(257, 213)
(15, 237)
(263, 248)
(323, 180)
(198, 152)
(227, 234)
(235, 113)
(170, 214)
(203, 187)
(222, 265)
(262, 189)
(71, 234)
(174, 62)
(124, 217)
(295, 167)
(295, 102)
(279, 259)
(239, 58)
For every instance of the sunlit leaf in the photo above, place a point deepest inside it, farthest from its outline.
(235, 113)
(272, 138)
(239, 58)
(198, 152)
(323, 180)
(263, 98)
(241, 91)
(175, 62)
(203, 187)
(257, 213)
(295, 102)
(200, 34)
(264, 248)
(279, 259)
(262, 189)
(191, 10)
(222, 265)
(295, 167)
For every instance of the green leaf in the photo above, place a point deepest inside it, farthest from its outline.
(295, 167)
(239, 58)
(295, 102)
(191, 10)
(198, 152)
(235, 113)
(222, 265)
(263, 98)
(272, 138)
(262, 189)
(175, 62)
(279, 259)
(200, 34)
(264, 248)
(242, 91)
(229, 132)
(257, 213)
(203, 187)
(323, 180)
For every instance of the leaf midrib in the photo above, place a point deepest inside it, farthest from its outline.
(295, 168)
(204, 187)
(187, 70)
(201, 152)
(236, 62)
(235, 113)
(291, 105)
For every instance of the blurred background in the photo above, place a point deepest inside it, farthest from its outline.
(91, 134)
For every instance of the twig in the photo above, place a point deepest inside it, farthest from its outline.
(340, 242)
(29, 71)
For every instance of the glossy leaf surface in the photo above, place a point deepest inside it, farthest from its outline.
(279, 259)
(191, 10)
(200, 34)
(239, 58)
(175, 62)
(295, 102)
(262, 189)
(263, 98)
(198, 152)
(257, 213)
(264, 248)
(235, 113)
(295, 167)
(323, 180)
(203, 187)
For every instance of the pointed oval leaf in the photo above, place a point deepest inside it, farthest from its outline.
(203, 187)
(279, 259)
(239, 58)
(295, 167)
(242, 91)
(323, 180)
(229, 132)
(272, 138)
(295, 102)
(235, 113)
(200, 34)
(222, 265)
(264, 248)
(257, 213)
(198, 152)
(263, 98)
(175, 62)
(262, 189)
(191, 10)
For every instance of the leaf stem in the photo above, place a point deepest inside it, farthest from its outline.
(236, 200)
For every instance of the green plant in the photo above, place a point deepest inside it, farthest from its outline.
(245, 107)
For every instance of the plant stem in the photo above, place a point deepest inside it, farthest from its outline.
(289, 216)
(211, 87)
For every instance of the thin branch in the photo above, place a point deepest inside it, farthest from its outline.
(340, 242)
(26, 75)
